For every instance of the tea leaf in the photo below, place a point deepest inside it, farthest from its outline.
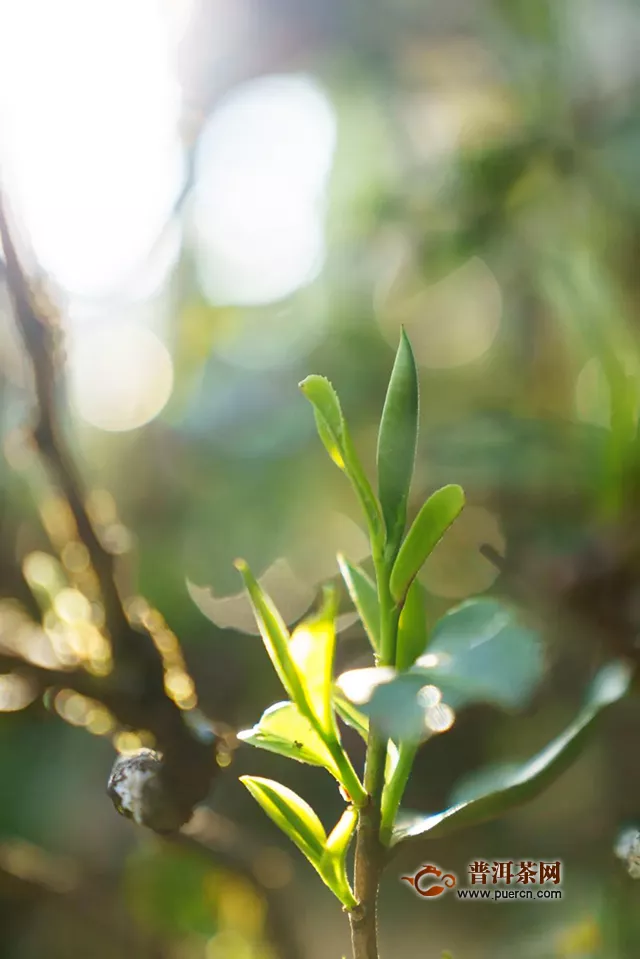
(427, 529)
(513, 785)
(291, 814)
(284, 730)
(397, 440)
(412, 628)
(364, 596)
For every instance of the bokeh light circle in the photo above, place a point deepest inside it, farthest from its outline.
(261, 169)
(120, 376)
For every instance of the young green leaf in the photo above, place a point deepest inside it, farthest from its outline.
(429, 526)
(333, 431)
(291, 814)
(333, 865)
(364, 596)
(284, 730)
(397, 440)
(275, 634)
(312, 647)
(513, 785)
(328, 413)
(349, 714)
(412, 628)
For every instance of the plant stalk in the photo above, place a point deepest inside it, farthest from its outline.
(369, 856)
(370, 852)
(394, 791)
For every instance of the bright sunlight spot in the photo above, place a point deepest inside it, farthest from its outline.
(88, 141)
(262, 167)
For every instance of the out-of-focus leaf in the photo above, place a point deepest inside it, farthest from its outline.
(312, 647)
(427, 529)
(358, 721)
(484, 653)
(478, 653)
(483, 781)
(397, 440)
(350, 715)
(275, 634)
(292, 595)
(291, 814)
(393, 702)
(284, 730)
(336, 438)
(364, 596)
(520, 455)
(412, 628)
(165, 890)
(510, 786)
(334, 859)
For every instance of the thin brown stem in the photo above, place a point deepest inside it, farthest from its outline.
(369, 858)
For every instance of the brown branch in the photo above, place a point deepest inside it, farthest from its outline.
(369, 863)
(134, 690)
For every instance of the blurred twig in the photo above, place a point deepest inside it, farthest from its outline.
(134, 689)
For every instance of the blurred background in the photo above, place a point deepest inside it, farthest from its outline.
(227, 195)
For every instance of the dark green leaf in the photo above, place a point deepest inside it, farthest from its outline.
(427, 529)
(514, 785)
(485, 654)
(478, 653)
(364, 596)
(397, 441)
(412, 628)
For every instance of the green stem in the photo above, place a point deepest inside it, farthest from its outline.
(394, 790)
(348, 776)
(370, 852)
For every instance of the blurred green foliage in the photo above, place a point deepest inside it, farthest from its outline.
(484, 193)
